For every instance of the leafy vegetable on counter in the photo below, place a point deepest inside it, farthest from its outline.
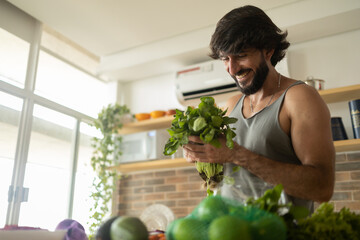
(209, 123)
(326, 224)
(323, 224)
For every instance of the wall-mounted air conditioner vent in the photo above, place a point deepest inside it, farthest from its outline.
(204, 79)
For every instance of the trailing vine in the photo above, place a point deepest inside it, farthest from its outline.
(109, 122)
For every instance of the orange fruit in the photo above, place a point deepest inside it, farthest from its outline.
(157, 114)
(142, 116)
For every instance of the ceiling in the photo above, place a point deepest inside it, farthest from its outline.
(136, 39)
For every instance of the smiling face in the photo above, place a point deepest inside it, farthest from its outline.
(249, 70)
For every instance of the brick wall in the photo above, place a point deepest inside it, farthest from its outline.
(179, 189)
(182, 189)
(347, 185)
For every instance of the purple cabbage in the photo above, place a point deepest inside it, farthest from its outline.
(75, 231)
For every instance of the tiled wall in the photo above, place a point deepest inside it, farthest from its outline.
(182, 189)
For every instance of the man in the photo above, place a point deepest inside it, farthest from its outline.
(283, 128)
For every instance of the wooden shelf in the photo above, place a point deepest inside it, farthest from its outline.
(147, 125)
(340, 146)
(341, 94)
(347, 145)
(152, 165)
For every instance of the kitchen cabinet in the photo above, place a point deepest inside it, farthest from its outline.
(329, 95)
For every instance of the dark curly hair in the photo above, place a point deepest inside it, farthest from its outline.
(248, 27)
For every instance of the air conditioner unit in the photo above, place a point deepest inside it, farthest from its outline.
(203, 79)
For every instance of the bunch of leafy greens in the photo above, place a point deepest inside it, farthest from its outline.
(209, 123)
(325, 224)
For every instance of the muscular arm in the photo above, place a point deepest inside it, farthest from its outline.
(310, 132)
(307, 120)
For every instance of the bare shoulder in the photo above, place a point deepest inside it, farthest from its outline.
(304, 98)
(231, 103)
(303, 92)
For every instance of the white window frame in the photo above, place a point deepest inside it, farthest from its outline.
(30, 30)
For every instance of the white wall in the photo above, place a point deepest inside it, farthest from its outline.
(334, 59)
(157, 93)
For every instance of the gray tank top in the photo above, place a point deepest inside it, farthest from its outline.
(263, 135)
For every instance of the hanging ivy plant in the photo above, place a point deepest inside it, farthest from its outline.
(106, 151)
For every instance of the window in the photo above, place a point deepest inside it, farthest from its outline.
(69, 86)
(40, 134)
(10, 108)
(48, 169)
(84, 176)
(13, 58)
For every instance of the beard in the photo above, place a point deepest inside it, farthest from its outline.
(258, 81)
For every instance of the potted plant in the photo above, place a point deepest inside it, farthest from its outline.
(110, 120)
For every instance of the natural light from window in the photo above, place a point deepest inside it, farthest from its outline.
(13, 58)
(64, 84)
(45, 143)
(10, 108)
